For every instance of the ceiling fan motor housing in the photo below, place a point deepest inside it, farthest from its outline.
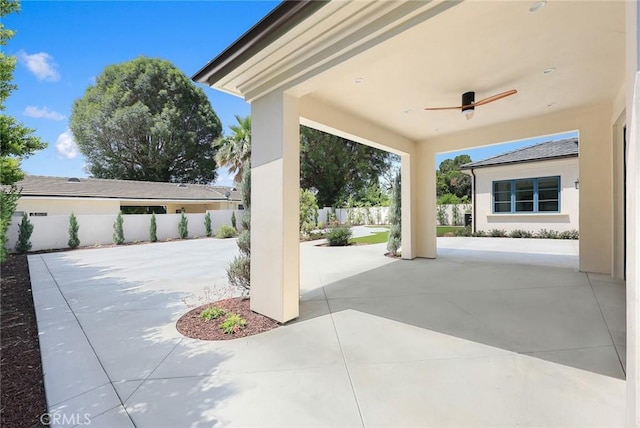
(468, 98)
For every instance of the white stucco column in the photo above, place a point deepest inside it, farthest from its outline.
(633, 213)
(409, 189)
(596, 199)
(275, 184)
(424, 202)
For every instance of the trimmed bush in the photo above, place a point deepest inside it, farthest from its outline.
(569, 234)
(74, 241)
(518, 233)
(183, 227)
(547, 234)
(339, 236)
(118, 230)
(239, 273)
(226, 231)
(462, 231)
(498, 233)
(24, 235)
(207, 225)
(239, 270)
(479, 234)
(153, 228)
(244, 242)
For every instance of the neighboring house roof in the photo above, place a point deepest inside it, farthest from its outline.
(36, 185)
(543, 151)
(279, 21)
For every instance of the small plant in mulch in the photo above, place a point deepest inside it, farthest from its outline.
(233, 324)
(239, 321)
(212, 313)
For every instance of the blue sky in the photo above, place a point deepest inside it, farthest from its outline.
(62, 46)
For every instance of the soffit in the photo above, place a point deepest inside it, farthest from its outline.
(417, 54)
(487, 47)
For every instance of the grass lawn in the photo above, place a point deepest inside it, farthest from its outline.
(446, 230)
(376, 238)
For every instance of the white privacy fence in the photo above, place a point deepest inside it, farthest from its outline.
(452, 215)
(52, 232)
(360, 215)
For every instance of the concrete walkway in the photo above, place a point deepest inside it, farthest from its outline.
(463, 340)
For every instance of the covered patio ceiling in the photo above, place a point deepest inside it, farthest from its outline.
(393, 62)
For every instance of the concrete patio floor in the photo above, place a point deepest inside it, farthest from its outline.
(481, 336)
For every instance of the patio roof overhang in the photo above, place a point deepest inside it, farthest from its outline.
(365, 70)
(411, 55)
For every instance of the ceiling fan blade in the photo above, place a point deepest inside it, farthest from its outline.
(444, 108)
(464, 107)
(496, 97)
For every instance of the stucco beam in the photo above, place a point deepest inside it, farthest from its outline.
(328, 118)
(549, 124)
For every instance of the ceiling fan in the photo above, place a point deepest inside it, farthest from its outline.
(469, 104)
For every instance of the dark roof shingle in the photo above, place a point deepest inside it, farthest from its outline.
(542, 151)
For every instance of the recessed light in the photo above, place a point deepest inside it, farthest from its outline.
(549, 70)
(537, 6)
(358, 80)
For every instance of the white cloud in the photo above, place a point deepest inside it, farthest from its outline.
(41, 65)
(65, 145)
(44, 113)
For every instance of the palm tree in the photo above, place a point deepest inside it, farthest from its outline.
(234, 151)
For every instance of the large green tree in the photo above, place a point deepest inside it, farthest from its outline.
(17, 142)
(145, 120)
(338, 168)
(234, 151)
(449, 179)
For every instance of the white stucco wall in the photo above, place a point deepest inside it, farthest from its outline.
(51, 232)
(566, 219)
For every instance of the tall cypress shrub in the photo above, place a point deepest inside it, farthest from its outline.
(153, 229)
(239, 270)
(118, 230)
(24, 235)
(395, 218)
(74, 227)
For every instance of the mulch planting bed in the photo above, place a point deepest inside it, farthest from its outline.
(191, 325)
(22, 386)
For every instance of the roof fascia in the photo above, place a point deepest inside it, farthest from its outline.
(575, 155)
(278, 22)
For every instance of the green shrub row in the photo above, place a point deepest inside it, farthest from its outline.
(518, 233)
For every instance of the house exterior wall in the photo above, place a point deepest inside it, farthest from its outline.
(96, 206)
(66, 206)
(566, 219)
(200, 208)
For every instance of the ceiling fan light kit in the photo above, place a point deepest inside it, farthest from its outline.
(468, 107)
